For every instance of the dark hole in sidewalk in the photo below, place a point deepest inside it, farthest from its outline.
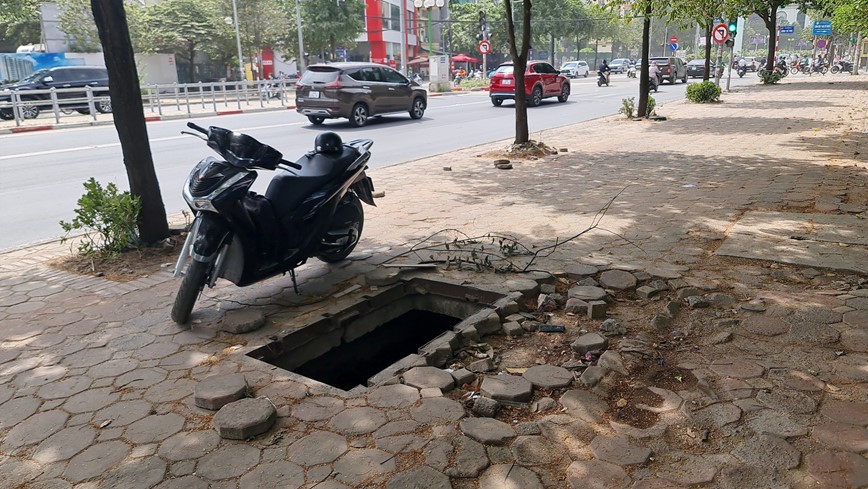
(362, 344)
(353, 363)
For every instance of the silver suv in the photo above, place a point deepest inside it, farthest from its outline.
(356, 91)
(575, 69)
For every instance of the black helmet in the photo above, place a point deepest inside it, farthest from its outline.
(328, 142)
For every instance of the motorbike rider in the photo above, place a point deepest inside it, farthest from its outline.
(654, 73)
(605, 70)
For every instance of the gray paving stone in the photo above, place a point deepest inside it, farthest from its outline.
(584, 405)
(123, 413)
(548, 376)
(589, 342)
(577, 271)
(64, 388)
(358, 421)
(592, 375)
(855, 340)
(437, 410)
(617, 279)
(716, 415)
(95, 460)
(619, 451)
(463, 376)
(17, 410)
(170, 390)
(424, 377)
(537, 450)
(596, 474)
(487, 431)
(420, 478)
(586, 293)
(503, 476)
(397, 427)
(34, 429)
(282, 474)
(513, 329)
(841, 437)
(597, 309)
(185, 482)
(90, 400)
(154, 428)
(244, 418)
(741, 476)
(800, 381)
(858, 318)
(359, 466)
(611, 360)
(319, 447)
(775, 423)
(188, 445)
(227, 462)
(393, 396)
(739, 369)
(64, 444)
(317, 408)
(142, 472)
(469, 458)
(690, 469)
(216, 391)
(239, 321)
(657, 484)
(846, 412)
(791, 402)
(485, 407)
(768, 451)
(576, 306)
(837, 470)
(481, 365)
(505, 387)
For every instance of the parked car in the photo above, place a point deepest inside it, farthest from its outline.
(575, 69)
(619, 65)
(696, 68)
(541, 81)
(356, 91)
(33, 90)
(671, 68)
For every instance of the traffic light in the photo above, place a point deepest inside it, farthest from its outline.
(481, 20)
(733, 27)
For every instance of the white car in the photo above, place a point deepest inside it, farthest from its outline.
(575, 69)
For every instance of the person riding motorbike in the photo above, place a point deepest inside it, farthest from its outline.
(605, 70)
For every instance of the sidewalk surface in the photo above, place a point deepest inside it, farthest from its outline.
(730, 260)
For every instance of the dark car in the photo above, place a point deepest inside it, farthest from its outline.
(696, 68)
(541, 81)
(33, 90)
(357, 91)
(671, 68)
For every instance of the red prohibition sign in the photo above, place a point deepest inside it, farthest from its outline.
(720, 33)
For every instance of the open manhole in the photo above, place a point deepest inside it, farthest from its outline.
(417, 322)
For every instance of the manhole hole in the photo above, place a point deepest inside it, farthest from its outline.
(417, 322)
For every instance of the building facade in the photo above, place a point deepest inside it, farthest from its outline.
(381, 41)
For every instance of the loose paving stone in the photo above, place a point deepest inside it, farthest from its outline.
(646, 292)
(245, 418)
(617, 279)
(420, 478)
(96, 460)
(671, 401)
(739, 369)
(774, 423)
(619, 451)
(188, 445)
(791, 402)
(228, 461)
(576, 306)
(611, 360)
(548, 376)
(596, 474)
(504, 476)
(358, 466)
(768, 451)
(358, 421)
(589, 342)
(219, 390)
(64, 444)
(140, 472)
(836, 469)
(846, 412)
(317, 408)
(537, 450)
(526, 286)
(611, 327)
(154, 428)
(393, 396)
(319, 447)
(481, 366)
(597, 309)
(716, 415)
(487, 431)
(512, 329)
(34, 429)
(485, 407)
(463, 376)
(592, 375)
(282, 474)
(697, 302)
(437, 410)
(239, 321)
(586, 293)
(584, 405)
(841, 437)
(431, 392)
(577, 271)
(424, 377)
(505, 387)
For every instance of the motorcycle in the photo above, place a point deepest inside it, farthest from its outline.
(842, 66)
(741, 71)
(631, 71)
(602, 79)
(312, 208)
(653, 83)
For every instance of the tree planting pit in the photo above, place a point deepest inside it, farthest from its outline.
(413, 323)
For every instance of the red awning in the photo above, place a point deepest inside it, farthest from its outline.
(463, 58)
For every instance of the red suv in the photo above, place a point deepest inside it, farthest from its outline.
(541, 81)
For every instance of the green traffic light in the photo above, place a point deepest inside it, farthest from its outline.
(733, 26)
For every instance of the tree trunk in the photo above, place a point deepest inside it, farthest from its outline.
(552, 50)
(129, 116)
(644, 84)
(771, 22)
(191, 70)
(519, 61)
(707, 74)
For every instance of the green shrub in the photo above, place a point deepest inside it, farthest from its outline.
(107, 218)
(627, 106)
(704, 92)
(649, 111)
(770, 77)
(473, 83)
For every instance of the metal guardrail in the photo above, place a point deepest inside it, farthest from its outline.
(62, 102)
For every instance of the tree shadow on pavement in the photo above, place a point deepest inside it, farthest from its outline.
(775, 123)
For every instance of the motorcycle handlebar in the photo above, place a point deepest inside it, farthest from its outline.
(197, 127)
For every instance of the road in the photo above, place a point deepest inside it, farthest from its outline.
(43, 172)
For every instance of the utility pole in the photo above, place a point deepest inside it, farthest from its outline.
(300, 61)
(404, 66)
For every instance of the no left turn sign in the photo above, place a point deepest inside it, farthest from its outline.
(720, 33)
(484, 47)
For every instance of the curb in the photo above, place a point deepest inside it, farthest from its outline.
(31, 129)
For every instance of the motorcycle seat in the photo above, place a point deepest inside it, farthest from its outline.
(290, 187)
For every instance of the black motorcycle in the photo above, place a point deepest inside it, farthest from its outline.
(312, 208)
(842, 66)
(741, 71)
(602, 79)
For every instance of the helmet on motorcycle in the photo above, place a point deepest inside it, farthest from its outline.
(328, 142)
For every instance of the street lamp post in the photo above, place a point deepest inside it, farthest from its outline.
(238, 42)
(300, 62)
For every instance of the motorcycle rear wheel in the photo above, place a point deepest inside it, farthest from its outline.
(835, 70)
(349, 219)
(188, 292)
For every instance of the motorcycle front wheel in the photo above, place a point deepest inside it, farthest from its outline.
(188, 292)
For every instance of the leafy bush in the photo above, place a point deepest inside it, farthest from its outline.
(108, 219)
(473, 83)
(651, 105)
(704, 92)
(627, 106)
(770, 77)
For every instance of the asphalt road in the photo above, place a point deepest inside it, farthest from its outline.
(42, 172)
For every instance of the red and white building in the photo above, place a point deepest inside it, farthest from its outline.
(381, 42)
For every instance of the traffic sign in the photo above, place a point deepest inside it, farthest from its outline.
(821, 43)
(720, 33)
(673, 46)
(673, 40)
(822, 28)
(484, 47)
(788, 29)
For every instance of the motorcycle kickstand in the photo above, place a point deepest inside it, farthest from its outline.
(294, 282)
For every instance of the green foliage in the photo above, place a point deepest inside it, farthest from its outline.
(628, 105)
(76, 21)
(476, 83)
(325, 25)
(770, 77)
(19, 24)
(107, 218)
(651, 105)
(704, 92)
